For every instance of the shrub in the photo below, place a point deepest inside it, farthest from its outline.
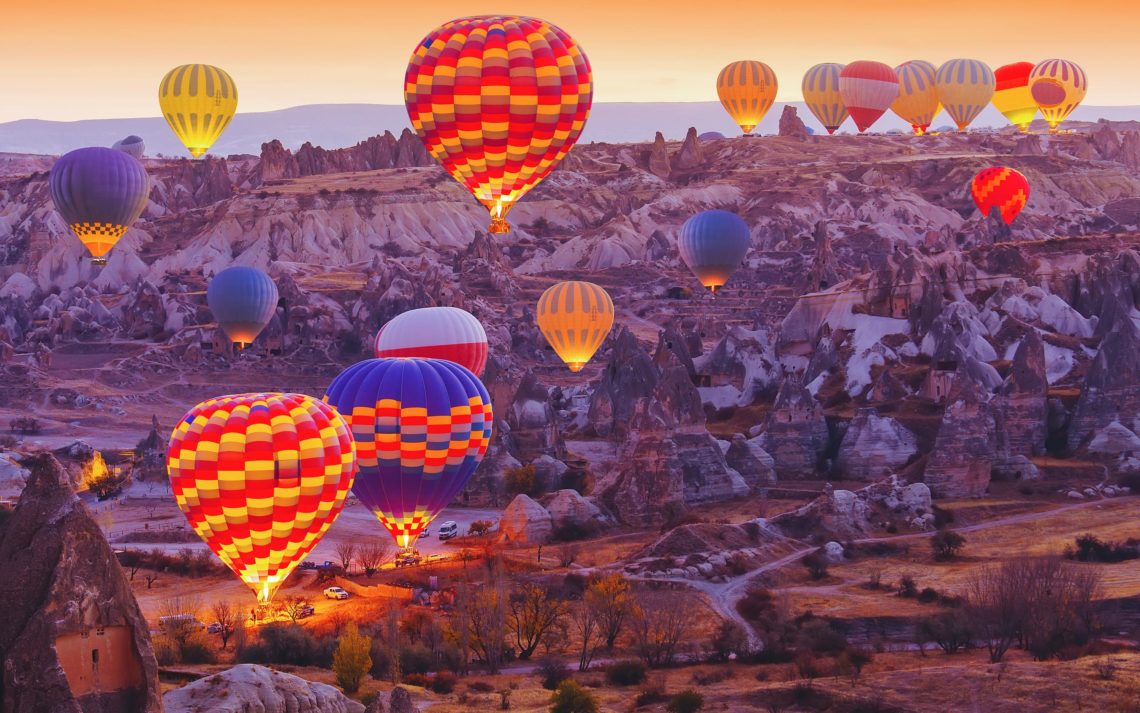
(480, 686)
(479, 528)
(711, 676)
(950, 630)
(626, 673)
(521, 480)
(1090, 548)
(821, 637)
(816, 564)
(687, 701)
(572, 698)
(287, 644)
(416, 679)
(552, 672)
(729, 638)
(908, 587)
(808, 666)
(165, 651)
(444, 682)
(649, 695)
(416, 658)
(352, 660)
(928, 595)
(947, 544)
(756, 604)
(197, 650)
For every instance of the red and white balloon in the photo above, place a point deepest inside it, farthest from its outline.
(435, 333)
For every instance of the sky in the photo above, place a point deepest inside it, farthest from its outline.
(77, 59)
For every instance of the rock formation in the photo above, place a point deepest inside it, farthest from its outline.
(748, 457)
(658, 157)
(689, 157)
(846, 514)
(796, 433)
(1112, 389)
(1020, 409)
(526, 522)
(248, 688)
(376, 152)
(873, 447)
(73, 639)
(532, 423)
(791, 125)
(963, 454)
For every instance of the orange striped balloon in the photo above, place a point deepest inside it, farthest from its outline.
(747, 90)
(1058, 86)
(1000, 187)
(965, 87)
(575, 318)
(498, 100)
(260, 477)
(821, 94)
(918, 102)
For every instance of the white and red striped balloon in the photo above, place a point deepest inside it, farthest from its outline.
(868, 89)
(435, 333)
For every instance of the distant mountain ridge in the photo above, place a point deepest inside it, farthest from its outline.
(339, 125)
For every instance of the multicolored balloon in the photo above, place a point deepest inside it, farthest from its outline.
(498, 100)
(918, 102)
(868, 90)
(712, 243)
(435, 333)
(131, 145)
(421, 428)
(1058, 86)
(243, 300)
(1000, 187)
(260, 477)
(198, 101)
(99, 192)
(822, 95)
(965, 87)
(1012, 96)
(747, 90)
(575, 318)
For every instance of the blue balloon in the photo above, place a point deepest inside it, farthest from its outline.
(100, 193)
(243, 300)
(712, 244)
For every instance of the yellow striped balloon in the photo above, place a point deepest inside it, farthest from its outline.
(821, 94)
(198, 101)
(575, 318)
(965, 87)
(747, 90)
(1058, 86)
(918, 96)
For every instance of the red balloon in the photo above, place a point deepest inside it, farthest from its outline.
(435, 333)
(1001, 187)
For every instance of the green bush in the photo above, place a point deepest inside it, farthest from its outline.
(626, 673)
(687, 701)
(287, 644)
(572, 698)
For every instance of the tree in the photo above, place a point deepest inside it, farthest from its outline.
(659, 626)
(950, 630)
(485, 607)
(533, 614)
(479, 528)
(294, 606)
(585, 625)
(947, 544)
(572, 698)
(345, 551)
(520, 480)
(179, 619)
(351, 660)
(687, 701)
(612, 601)
(816, 564)
(227, 617)
(729, 638)
(372, 555)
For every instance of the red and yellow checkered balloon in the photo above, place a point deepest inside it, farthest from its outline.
(498, 100)
(260, 477)
(1001, 187)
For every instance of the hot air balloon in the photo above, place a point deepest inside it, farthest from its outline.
(100, 192)
(435, 333)
(918, 97)
(260, 477)
(868, 90)
(1012, 96)
(965, 87)
(243, 300)
(1058, 86)
(747, 89)
(712, 243)
(1001, 187)
(198, 101)
(421, 428)
(131, 145)
(498, 100)
(575, 318)
(821, 94)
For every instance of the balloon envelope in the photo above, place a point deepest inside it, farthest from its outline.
(421, 428)
(965, 87)
(198, 101)
(575, 318)
(498, 100)
(131, 145)
(243, 300)
(868, 90)
(822, 95)
(99, 192)
(747, 89)
(260, 477)
(1058, 86)
(435, 333)
(712, 244)
(1012, 96)
(1000, 187)
(918, 103)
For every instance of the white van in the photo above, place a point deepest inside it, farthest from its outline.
(448, 530)
(188, 621)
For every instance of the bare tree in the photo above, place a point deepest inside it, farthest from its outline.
(345, 551)
(659, 625)
(227, 617)
(533, 614)
(372, 555)
(567, 553)
(294, 606)
(587, 628)
(178, 618)
(151, 577)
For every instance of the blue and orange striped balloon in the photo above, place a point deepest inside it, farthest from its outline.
(965, 87)
(917, 103)
(821, 94)
(421, 427)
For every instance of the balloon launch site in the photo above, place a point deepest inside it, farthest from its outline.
(617, 369)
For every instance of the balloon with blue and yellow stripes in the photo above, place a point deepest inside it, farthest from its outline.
(965, 87)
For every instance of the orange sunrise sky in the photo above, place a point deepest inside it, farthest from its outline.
(104, 58)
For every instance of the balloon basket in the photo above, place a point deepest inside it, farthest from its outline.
(99, 261)
(499, 226)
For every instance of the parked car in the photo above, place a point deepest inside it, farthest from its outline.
(335, 593)
(308, 564)
(327, 564)
(307, 610)
(407, 559)
(448, 530)
(426, 532)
